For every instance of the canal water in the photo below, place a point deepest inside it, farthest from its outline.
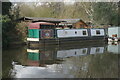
(89, 60)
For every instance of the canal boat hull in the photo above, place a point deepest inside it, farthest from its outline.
(60, 41)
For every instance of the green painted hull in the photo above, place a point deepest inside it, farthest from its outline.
(33, 33)
(33, 56)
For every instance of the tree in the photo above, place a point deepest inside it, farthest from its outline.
(119, 13)
(6, 6)
(88, 8)
(106, 13)
(10, 14)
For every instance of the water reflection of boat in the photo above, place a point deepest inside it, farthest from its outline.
(95, 50)
(72, 52)
(40, 58)
(51, 56)
(114, 47)
(79, 52)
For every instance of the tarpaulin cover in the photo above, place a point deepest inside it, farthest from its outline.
(37, 25)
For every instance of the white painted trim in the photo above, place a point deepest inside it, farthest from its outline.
(32, 39)
(34, 51)
(66, 33)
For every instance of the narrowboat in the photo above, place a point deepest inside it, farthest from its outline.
(49, 33)
(58, 31)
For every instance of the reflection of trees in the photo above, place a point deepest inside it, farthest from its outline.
(8, 56)
(104, 66)
(95, 66)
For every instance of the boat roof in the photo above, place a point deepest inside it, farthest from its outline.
(36, 25)
(71, 20)
(39, 19)
(42, 23)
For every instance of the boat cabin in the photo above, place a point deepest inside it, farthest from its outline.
(61, 29)
(114, 34)
(38, 30)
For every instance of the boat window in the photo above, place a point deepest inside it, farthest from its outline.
(84, 51)
(97, 31)
(84, 33)
(97, 49)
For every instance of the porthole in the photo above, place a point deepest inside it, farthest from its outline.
(75, 32)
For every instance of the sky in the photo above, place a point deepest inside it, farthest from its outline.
(70, 1)
(42, 0)
(66, 1)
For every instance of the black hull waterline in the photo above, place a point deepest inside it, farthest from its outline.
(75, 40)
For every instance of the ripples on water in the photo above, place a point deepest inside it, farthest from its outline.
(86, 61)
